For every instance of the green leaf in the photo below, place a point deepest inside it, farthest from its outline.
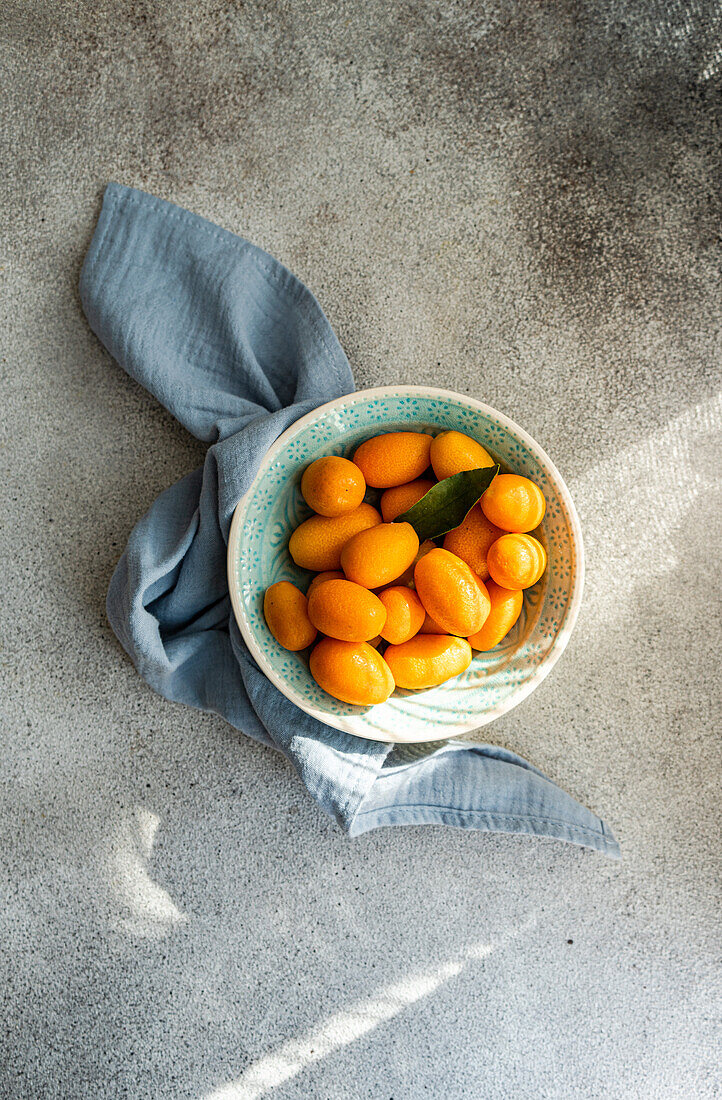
(447, 504)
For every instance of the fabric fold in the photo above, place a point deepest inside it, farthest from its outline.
(237, 349)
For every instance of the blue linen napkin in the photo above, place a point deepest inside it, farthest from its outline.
(237, 349)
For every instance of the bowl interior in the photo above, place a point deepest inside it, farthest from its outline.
(273, 506)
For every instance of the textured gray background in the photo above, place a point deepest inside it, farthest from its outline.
(520, 202)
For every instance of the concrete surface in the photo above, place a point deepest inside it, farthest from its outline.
(519, 201)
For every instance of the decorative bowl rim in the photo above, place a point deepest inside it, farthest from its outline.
(341, 722)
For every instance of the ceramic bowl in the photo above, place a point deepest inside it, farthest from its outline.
(258, 556)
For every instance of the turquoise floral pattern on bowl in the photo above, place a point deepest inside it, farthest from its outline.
(258, 557)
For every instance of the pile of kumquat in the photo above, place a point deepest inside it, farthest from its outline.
(385, 609)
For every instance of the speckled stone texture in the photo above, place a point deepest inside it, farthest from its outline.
(517, 201)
